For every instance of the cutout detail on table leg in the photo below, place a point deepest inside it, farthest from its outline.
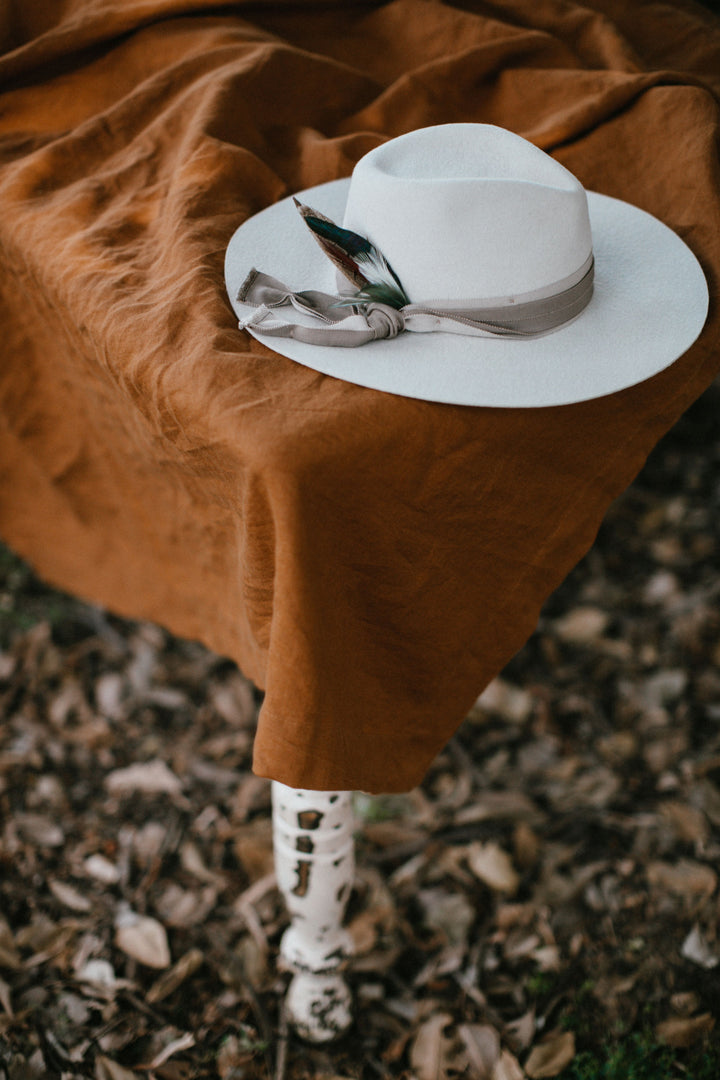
(315, 866)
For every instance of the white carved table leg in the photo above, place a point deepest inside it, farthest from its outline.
(315, 865)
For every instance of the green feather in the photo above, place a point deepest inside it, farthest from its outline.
(358, 260)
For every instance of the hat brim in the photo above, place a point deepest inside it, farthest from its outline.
(649, 304)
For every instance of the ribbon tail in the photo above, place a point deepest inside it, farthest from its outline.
(259, 288)
(347, 333)
(344, 327)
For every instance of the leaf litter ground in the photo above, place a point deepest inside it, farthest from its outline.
(548, 894)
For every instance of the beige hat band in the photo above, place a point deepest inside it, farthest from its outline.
(373, 321)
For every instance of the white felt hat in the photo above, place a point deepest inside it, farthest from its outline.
(472, 215)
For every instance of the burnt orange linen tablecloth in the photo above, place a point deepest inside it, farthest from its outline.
(370, 561)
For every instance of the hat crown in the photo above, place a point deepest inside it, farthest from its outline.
(470, 212)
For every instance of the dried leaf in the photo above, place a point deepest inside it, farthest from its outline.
(445, 962)
(106, 1069)
(98, 972)
(143, 938)
(429, 1050)
(582, 625)
(685, 1031)
(596, 787)
(233, 700)
(450, 912)
(74, 1008)
(69, 896)
(40, 830)
(661, 587)
(706, 796)
(482, 1045)
(547, 958)
(519, 945)
(696, 948)
(685, 1002)
(392, 833)
(44, 937)
(102, 869)
(152, 777)
(364, 930)
(68, 699)
(169, 981)
(192, 861)
(686, 877)
(185, 907)
(506, 700)
(508, 1068)
(231, 1057)
(526, 845)
(512, 805)
(7, 666)
(689, 823)
(520, 1032)
(110, 689)
(166, 697)
(618, 747)
(510, 915)
(183, 1042)
(9, 955)
(492, 865)
(253, 847)
(148, 841)
(664, 687)
(5, 1000)
(551, 1056)
(252, 955)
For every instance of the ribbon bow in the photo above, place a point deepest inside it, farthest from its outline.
(381, 309)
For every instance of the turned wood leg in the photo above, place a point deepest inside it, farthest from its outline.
(315, 864)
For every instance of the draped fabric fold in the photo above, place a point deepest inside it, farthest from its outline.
(371, 562)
